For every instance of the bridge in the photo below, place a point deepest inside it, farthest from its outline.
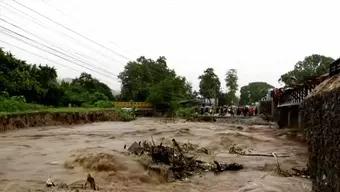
(141, 108)
(295, 95)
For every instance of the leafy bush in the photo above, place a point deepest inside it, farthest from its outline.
(185, 112)
(17, 104)
(103, 104)
(126, 115)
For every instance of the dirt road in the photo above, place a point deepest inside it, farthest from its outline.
(66, 154)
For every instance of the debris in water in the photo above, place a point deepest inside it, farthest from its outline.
(135, 148)
(301, 172)
(234, 149)
(220, 167)
(176, 161)
(278, 167)
(91, 181)
(49, 183)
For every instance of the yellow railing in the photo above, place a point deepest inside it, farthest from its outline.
(137, 105)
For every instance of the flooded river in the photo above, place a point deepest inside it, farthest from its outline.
(65, 153)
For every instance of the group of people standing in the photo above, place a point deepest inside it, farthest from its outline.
(229, 110)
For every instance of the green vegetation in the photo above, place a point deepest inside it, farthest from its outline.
(185, 113)
(209, 84)
(152, 81)
(86, 91)
(126, 115)
(312, 66)
(38, 84)
(253, 92)
(17, 103)
(103, 104)
(232, 86)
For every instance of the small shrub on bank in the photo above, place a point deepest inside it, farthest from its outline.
(103, 104)
(185, 112)
(17, 104)
(126, 115)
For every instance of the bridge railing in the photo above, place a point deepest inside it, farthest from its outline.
(334, 68)
(137, 105)
(294, 96)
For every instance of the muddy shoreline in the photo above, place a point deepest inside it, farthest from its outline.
(37, 119)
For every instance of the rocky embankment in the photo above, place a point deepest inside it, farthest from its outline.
(321, 121)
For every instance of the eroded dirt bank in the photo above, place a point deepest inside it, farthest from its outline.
(36, 119)
(29, 156)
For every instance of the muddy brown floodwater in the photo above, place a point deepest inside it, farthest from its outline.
(68, 153)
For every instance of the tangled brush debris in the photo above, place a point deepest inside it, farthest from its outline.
(177, 160)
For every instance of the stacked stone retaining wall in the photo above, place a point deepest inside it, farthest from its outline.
(322, 127)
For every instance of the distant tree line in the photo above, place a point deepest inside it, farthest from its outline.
(38, 84)
(142, 80)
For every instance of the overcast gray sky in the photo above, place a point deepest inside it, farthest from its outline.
(262, 39)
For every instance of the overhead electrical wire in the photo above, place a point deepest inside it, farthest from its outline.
(71, 30)
(47, 49)
(36, 21)
(37, 55)
(69, 16)
(55, 47)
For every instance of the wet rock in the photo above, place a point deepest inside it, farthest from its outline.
(50, 183)
(135, 148)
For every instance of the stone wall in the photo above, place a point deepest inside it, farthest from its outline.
(321, 114)
(35, 119)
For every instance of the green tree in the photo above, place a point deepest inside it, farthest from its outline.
(253, 92)
(85, 91)
(311, 66)
(209, 84)
(169, 92)
(38, 84)
(222, 99)
(138, 76)
(232, 86)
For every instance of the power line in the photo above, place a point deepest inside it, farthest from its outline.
(52, 53)
(63, 57)
(71, 30)
(37, 55)
(74, 57)
(36, 21)
(55, 50)
(69, 16)
(29, 52)
(18, 10)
